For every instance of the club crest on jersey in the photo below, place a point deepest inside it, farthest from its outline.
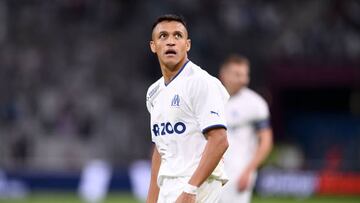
(176, 100)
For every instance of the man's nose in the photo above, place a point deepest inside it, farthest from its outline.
(171, 41)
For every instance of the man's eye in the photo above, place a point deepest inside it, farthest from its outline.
(178, 35)
(162, 36)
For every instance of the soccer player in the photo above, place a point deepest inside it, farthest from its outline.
(249, 130)
(188, 128)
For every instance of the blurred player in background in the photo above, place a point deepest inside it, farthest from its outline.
(187, 122)
(249, 130)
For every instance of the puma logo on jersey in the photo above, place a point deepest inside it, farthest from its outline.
(168, 129)
(176, 100)
(213, 112)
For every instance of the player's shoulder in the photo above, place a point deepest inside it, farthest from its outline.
(154, 88)
(200, 81)
(253, 96)
(197, 74)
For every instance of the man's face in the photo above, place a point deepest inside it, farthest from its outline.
(170, 42)
(235, 76)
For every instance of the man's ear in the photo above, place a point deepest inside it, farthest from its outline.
(188, 44)
(152, 47)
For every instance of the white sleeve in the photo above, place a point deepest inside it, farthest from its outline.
(262, 119)
(262, 110)
(148, 104)
(208, 97)
(150, 96)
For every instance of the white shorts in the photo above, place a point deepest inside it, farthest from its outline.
(171, 188)
(230, 193)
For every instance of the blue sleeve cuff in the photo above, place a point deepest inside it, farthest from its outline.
(207, 129)
(262, 124)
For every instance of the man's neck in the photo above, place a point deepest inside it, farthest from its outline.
(170, 72)
(237, 91)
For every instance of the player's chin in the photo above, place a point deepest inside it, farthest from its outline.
(171, 61)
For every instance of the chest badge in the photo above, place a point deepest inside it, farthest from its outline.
(176, 100)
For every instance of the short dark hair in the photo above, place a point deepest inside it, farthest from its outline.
(237, 59)
(170, 17)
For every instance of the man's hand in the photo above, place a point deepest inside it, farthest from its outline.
(186, 198)
(244, 181)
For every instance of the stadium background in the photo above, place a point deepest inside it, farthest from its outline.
(73, 77)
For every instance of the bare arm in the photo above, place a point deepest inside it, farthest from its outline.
(153, 192)
(215, 148)
(263, 150)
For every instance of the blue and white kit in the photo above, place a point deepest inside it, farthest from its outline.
(181, 112)
(246, 113)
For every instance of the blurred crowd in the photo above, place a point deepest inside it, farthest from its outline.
(74, 73)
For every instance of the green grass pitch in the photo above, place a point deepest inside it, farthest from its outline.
(127, 198)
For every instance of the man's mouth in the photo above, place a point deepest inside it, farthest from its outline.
(170, 52)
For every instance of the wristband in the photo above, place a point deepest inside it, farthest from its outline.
(190, 189)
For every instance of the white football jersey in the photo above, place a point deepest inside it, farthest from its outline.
(246, 111)
(181, 111)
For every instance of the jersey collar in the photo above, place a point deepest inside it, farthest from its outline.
(181, 69)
